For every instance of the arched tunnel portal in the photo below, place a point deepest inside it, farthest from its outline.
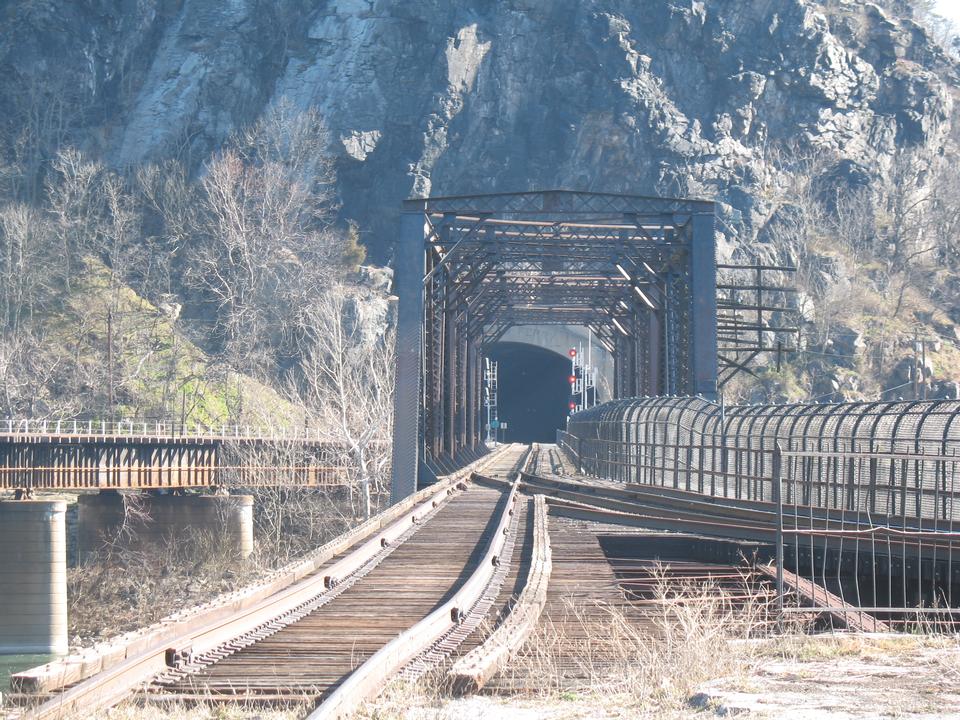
(533, 391)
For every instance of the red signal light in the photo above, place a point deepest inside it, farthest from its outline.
(573, 406)
(572, 353)
(572, 379)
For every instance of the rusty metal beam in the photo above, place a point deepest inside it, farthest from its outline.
(471, 672)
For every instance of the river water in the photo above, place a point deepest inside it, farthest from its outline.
(15, 663)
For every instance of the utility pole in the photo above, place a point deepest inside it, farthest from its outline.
(916, 368)
(110, 362)
(575, 382)
(589, 369)
(923, 365)
(590, 375)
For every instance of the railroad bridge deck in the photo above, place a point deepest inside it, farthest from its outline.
(140, 455)
(454, 579)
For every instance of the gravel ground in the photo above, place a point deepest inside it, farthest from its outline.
(831, 677)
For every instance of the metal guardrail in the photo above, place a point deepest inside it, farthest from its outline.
(156, 429)
(867, 494)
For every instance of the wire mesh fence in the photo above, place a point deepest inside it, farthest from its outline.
(862, 496)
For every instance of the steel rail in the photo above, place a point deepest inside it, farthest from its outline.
(365, 681)
(108, 688)
(674, 521)
(633, 498)
(211, 629)
(471, 672)
(853, 617)
(730, 506)
(689, 521)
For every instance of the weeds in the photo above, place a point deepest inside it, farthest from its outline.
(649, 658)
(644, 658)
(200, 711)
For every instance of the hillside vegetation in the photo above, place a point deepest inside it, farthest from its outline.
(226, 167)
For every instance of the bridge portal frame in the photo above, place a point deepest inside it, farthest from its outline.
(639, 271)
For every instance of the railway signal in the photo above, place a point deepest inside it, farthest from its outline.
(582, 378)
(490, 399)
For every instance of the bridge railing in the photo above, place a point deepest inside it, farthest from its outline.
(893, 459)
(867, 568)
(867, 494)
(153, 455)
(156, 429)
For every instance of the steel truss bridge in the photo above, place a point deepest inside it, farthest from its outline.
(142, 455)
(640, 272)
(841, 513)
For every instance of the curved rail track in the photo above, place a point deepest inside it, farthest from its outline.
(455, 578)
(307, 639)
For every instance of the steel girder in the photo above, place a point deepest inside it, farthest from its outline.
(560, 202)
(639, 271)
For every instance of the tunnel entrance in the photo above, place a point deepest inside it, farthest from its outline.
(533, 391)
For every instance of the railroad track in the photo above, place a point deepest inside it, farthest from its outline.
(314, 654)
(604, 576)
(665, 508)
(749, 521)
(599, 572)
(329, 623)
(455, 579)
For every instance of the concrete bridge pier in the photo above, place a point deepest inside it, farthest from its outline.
(33, 577)
(146, 522)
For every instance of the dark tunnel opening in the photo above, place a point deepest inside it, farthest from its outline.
(534, 391)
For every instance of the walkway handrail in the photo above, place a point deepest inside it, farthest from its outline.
(157, 429)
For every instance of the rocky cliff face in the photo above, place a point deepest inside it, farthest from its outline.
(439, 97)
(431, 96)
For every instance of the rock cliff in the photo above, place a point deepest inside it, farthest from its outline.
(440, 97)
(431, 96)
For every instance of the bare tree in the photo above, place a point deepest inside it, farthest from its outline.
(265, 217)
(33, 375)
(30, 267)
(170, 222)
(942, 30)
(32, 131)
(74, 201)
(347, 384)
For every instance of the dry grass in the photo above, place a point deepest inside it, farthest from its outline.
(606, 661)
(126, 590)
(696, 652)
(202, 711)
(866, 647)
(650, 663)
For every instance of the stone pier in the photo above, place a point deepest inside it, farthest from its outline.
(151, 521)
(33, 577)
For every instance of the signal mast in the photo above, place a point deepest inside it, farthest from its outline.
(490, 400)
(582, 379)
